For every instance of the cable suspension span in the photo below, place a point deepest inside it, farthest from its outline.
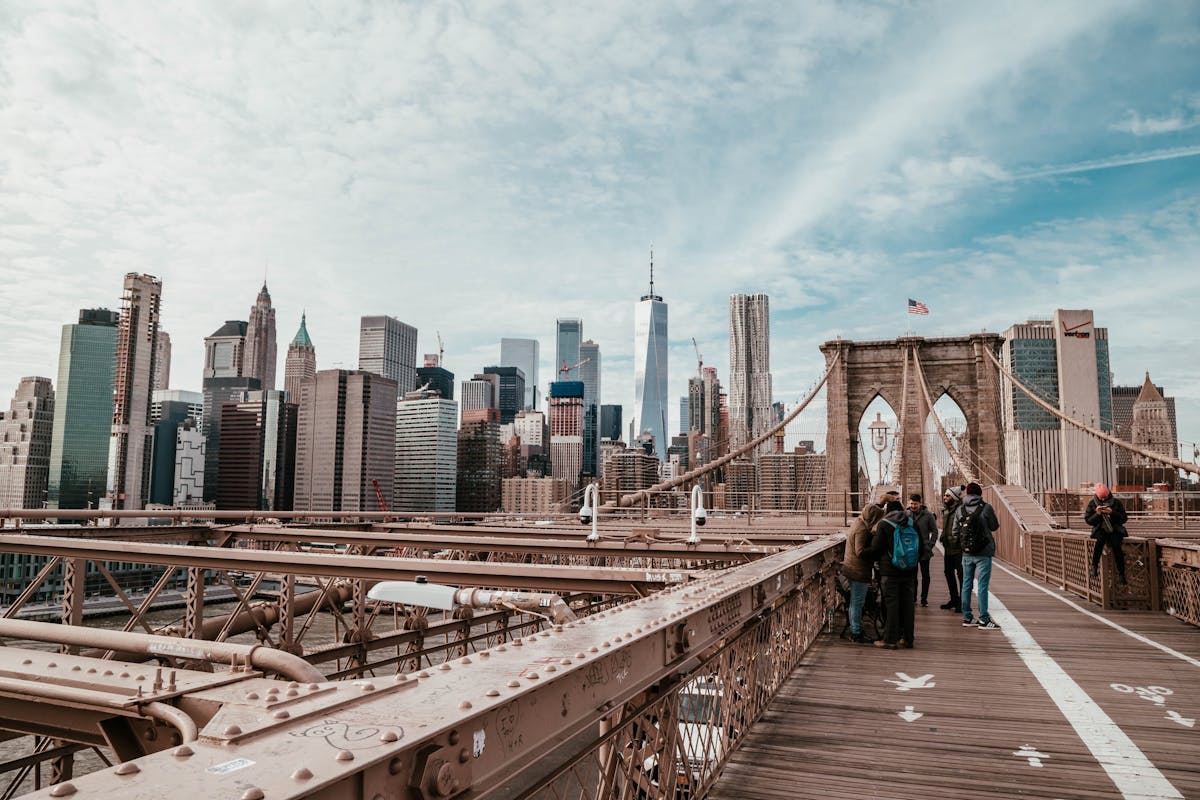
(1099, 434)
(963, 467)
(898, 440)
(629, 500)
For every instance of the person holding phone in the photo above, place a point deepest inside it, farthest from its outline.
(1107, 516)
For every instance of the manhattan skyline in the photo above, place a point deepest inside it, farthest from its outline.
(508, 167)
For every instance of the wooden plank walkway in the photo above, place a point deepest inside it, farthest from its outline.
(842, 727)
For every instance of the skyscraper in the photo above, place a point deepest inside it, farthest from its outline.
(1065, 361)
(258, 451)
(650, 368)
(83, 410)
(568, 336)
(260, 357)
(479, 461)
(25, 435)
(589, 373)
(523, 354)
(345, 440)
(388, 347)
(566, 431)
(1153, 426)
(610, 422)
(481, 392)
(301, 362)
(137, 346)
(426, 455)
(684, 415)
(511, 397)
(1123, 400)
(225, 381)
(749, 369)
(162, 362)
(170, 409)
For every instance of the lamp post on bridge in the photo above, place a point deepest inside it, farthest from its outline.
(880, 433)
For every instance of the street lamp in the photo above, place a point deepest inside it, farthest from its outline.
(880, 432)
(698, 515)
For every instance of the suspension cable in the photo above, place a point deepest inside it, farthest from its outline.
(962, 466)
(898, 440)
(1099, 434)
(631, 499)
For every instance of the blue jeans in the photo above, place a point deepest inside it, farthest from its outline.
(974, 567)
(858, 596)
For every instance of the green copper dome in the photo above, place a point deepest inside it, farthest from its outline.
(302, 337)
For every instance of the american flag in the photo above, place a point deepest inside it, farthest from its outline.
(917, 307)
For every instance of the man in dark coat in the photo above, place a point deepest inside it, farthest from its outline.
(977, 566)
(926, 524)
(899, 586)
(952, 558)
(1107, 516)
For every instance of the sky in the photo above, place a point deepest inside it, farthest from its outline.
(481, 169)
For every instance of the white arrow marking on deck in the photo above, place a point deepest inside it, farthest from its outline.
(1134, 775)
(1175, 716)
(1031, 753)
(907, 683)
(908, 715)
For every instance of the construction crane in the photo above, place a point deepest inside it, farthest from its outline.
(383, 506)
(699, 359)
(441, 350)
(565, 370)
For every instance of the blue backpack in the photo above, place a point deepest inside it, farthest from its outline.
(906, 545)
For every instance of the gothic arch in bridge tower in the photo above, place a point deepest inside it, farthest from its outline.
(880, 407)
(950, 413)
(955, 366)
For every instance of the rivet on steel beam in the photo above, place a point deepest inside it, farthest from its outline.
(253, 793)
(399, 677)
(464, 660)
(518, 643)
(493, 692)
(183, 751)
(551, 668)
(485, 654)
(593, 649)
(453, 737)
(52, 665)
(76, 668)
(566, 662)
(366, 687)
(29, 661)
(293, 685)
(464, 756)
(581, 655)
(272, 691)
(514, 684)
(345, 755)
(422, 674)
(91, 671)
(443, 666)
(252, 695)
(302, 774)
(464, 705)
(501, 649)
(312, 687)
(292, 693)
(123, 674)
(65, 789)
(108, 672)
(606, 644)
(533, 676)
(387, 737)
(281, 714)
(232, 730)
(128, 768)
(558, 628)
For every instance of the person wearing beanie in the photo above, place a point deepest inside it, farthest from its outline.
(974, 523)
(952, 559)
(1107, 516)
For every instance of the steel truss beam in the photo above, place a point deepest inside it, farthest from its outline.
(477, 724)
(603, 580)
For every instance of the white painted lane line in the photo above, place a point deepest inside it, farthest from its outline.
(1132, 634)
(1135, 777)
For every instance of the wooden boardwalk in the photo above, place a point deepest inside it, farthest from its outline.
(1057, 704)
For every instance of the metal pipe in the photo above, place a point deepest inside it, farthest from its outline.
(286, 664)
(535, 602)
(165, 713)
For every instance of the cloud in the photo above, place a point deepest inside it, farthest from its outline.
(1181, 118)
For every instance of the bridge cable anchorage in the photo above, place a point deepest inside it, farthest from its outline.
(963, 467)
(1183, 466)
(628, 500)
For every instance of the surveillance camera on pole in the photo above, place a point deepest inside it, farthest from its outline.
(590, 512)
(699, 515)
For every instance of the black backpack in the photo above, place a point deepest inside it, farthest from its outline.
(968, 529)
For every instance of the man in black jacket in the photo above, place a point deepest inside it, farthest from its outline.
(899, 586)
(926, 524)
(1107, 516)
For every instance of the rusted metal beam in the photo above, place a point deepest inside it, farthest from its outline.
(605, 580)
(474, 541)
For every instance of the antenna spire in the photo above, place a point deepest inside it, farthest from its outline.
(652, 270)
